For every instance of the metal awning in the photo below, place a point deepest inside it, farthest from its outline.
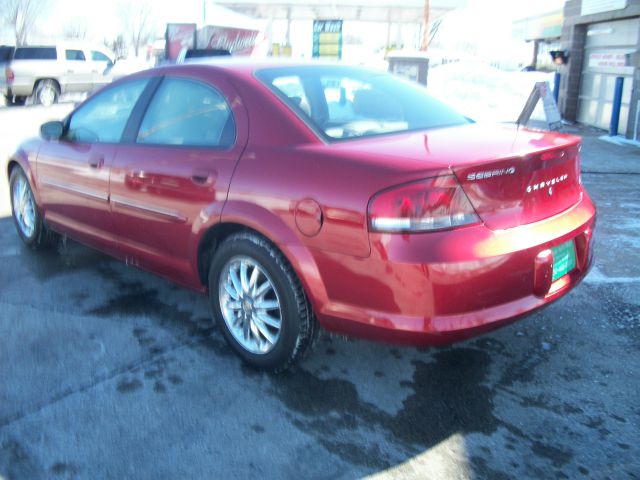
(401, 11)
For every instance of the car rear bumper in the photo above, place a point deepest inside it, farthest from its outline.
(442, 287)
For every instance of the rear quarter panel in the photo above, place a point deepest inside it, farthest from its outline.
(27, 72)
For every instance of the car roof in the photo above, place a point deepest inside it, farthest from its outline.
(247, 66)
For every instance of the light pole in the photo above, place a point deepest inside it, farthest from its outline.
(425, 28)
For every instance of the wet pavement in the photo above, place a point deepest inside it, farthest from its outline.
(110, 372)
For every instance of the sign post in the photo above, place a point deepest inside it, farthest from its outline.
(327, 39)
(542, 90)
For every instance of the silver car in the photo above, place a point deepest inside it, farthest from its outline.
(46, 72)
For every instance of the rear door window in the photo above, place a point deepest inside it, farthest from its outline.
(189, 113)
(75, 55)
(35, 53)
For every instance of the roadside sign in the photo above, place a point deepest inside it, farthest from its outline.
(179, 36)
(327, 39)
(542, 90)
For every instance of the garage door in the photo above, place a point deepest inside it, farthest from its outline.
(606, 49)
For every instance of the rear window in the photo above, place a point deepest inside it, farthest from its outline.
(341, 102)
(206, 52)
(35, 53)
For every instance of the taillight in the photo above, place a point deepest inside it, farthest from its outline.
(9, 74)
(432, 204)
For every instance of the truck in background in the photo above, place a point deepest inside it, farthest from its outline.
(44, 73)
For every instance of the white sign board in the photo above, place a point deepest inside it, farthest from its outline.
(551, 111)
(589, 7)
(607, 60)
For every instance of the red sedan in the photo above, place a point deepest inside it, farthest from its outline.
(306, 195)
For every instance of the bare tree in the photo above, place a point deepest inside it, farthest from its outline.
(76, 29)
(118, 46)
(21, 15)
(138, 22)
(434, 30)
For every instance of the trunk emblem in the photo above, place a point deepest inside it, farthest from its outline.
(491, 173)
(547, 183)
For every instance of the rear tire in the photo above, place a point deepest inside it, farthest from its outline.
(259, 304)
(47, 93)
(15, 101)
(26, 213)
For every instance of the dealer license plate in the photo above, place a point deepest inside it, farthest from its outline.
(564, 259)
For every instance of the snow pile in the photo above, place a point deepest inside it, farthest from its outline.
(485, 93)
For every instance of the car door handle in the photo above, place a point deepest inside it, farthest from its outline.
(204, 177)
(137, 179)
(96, 162)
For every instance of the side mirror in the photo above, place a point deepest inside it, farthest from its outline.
(52, 130)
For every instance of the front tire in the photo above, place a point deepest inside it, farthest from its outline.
(259, 303)
(25, 211)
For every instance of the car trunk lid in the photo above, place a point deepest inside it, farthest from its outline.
(512, 175)
(525, 188)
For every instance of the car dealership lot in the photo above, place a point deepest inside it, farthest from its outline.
(112, 372)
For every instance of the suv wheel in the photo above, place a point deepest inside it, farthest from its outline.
(47, 93)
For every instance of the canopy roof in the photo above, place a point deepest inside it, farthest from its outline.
(400, 11)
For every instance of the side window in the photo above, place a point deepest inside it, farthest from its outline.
(74, 55)
(103, 118)
(187, 112)
(35, 53)
(99, 57)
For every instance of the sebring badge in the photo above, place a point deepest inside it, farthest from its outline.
(547, 183)
(491, 173)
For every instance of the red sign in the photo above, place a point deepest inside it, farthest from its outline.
(238, 41)
(179, 36)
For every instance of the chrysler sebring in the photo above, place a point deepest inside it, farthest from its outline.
(301, 196)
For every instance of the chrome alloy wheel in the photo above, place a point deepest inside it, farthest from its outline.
(250, 305)
(23, 206)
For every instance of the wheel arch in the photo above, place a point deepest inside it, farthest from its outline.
(19, 160)
(38, 81)
(252, 218)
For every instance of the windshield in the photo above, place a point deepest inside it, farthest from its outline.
(342, 102)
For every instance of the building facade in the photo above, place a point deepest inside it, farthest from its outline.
(544, 32)
(602, 39)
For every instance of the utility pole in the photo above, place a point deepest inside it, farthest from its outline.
(425, 28)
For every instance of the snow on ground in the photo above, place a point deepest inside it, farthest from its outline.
(485, 93)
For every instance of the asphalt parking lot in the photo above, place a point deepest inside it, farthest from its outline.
(110, 372)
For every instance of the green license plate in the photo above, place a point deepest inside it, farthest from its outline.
(564, 259)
